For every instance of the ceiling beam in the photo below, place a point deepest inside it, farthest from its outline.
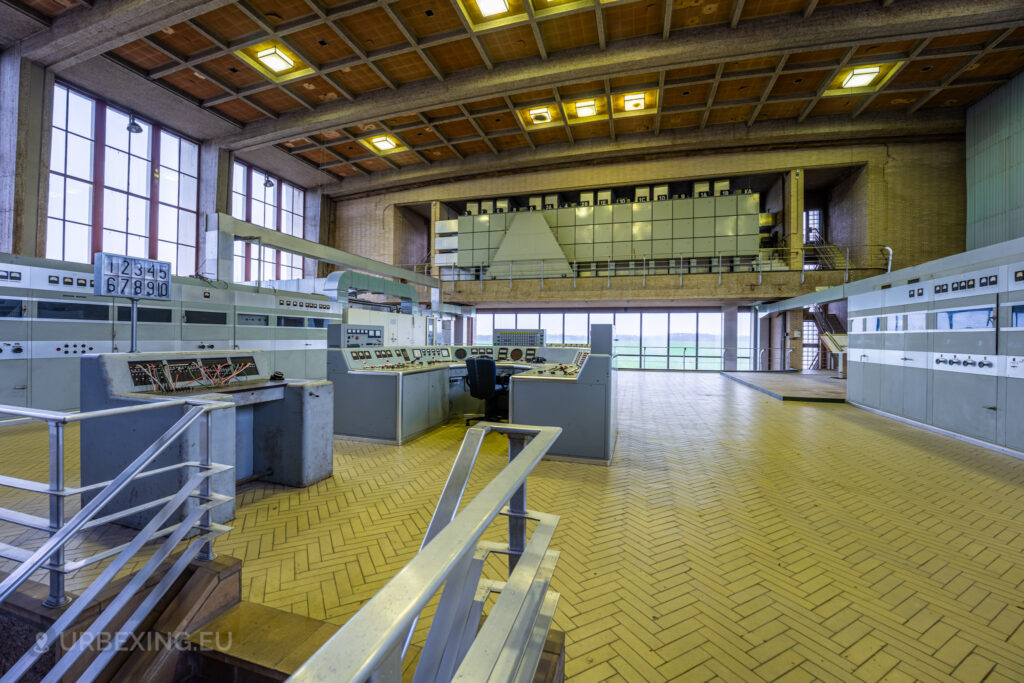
(843, 26)
(960, 70)
(86, 32)
(768, 89)
(725, 138)
(711, 95)
(866, 102)
(737, 11)
(847, 56)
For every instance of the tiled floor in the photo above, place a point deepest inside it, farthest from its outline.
(735, 537)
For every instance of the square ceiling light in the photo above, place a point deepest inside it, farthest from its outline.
(861, 77)
(275, 60)
(383, 143)
(490, 8)
(634, 102)
(540, 115)
(585, 108)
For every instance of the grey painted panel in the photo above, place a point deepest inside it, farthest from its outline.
(1015, 427)
(916, 393)
(871, 390)
(725, 206)
(682, 208)
(962, 403)
(892, 389)
(703, 207)
(704, 227)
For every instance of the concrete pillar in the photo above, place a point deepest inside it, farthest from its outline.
(26, 109)
(313, 227)
(729, 336)
(793, 217)
(214, 197)
(794, 340)
(764, 343)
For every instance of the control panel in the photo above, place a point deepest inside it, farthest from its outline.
(418, 357)
(519, 337)
(191, 374)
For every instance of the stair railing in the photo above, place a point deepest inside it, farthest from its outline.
(371, 645)
(51, 555)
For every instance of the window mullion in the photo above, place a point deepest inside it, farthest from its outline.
(154, 192)
(99, 149)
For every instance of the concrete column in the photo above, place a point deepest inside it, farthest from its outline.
(794, 340)
(214, 197)
(729, 336)
(26, 110)
(313, 227)
(764, 343)
(793, 216)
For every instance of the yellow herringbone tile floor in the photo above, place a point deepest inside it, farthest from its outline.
(734, 537)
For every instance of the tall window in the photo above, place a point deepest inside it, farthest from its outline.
(813, 228)
(811, 345)
(104, 193)
(69, 213)
(267, 201)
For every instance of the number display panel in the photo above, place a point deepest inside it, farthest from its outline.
(131, 277)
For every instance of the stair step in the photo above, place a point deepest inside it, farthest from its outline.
(256, 642)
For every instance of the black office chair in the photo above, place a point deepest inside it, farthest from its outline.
(485, 383)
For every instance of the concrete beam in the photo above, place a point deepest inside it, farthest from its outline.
(839, 27)
(229, 226)
(830, 130)
(18, 21)
(83, 33)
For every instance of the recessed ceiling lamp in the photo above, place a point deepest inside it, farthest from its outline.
(634, 102)
(489, 8)
(860, 77)
(540, 115)
(383, 143)
(586, 108)
(133, 126)
(275, 60)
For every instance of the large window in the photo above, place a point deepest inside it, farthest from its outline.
(267, 201)
(656, 340)
(104, 193)
(811, 346)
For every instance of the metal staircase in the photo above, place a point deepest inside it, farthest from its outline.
(832, 332)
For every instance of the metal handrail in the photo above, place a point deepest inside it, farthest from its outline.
(51, 554)
(370, 644)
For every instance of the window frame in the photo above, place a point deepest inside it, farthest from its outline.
(247, 255)
(98, 183)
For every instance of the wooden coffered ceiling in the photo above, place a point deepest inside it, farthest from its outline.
(352, 51)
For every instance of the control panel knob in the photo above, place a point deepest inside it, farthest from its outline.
(940, 361)
(969, 363)
(954, 361)
(985, 364)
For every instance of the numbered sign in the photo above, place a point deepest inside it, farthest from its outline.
(134, 278)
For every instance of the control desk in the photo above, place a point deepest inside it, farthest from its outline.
(391, 394)
(277, 430)
(579, 397)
